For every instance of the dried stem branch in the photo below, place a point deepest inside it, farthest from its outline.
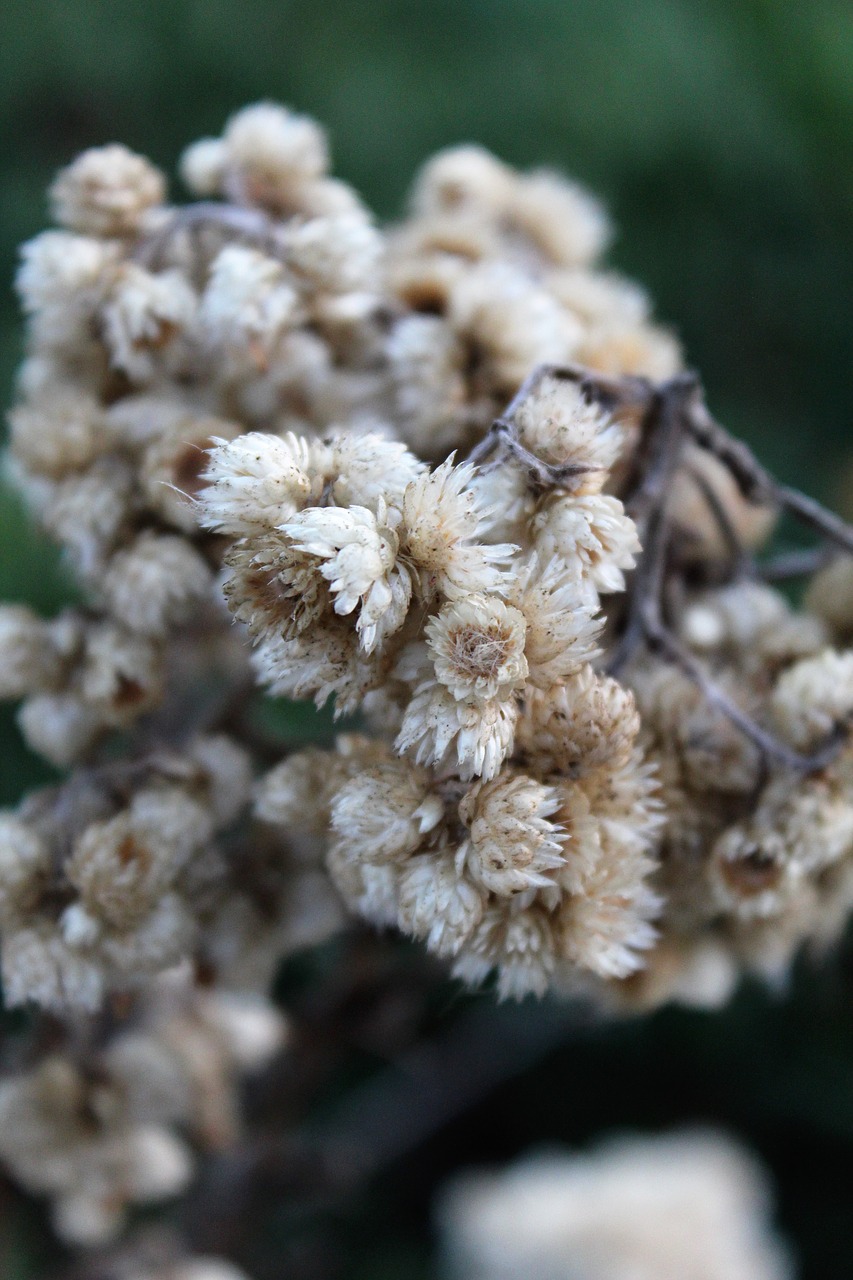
(758, 485)
(672, 414)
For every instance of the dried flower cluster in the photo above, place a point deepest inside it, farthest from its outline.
(99, 1127)
(450, 477)
(686, 1206)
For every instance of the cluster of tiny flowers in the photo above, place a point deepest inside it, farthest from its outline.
(265, 397)
(101, 1129)
(755, 859)
(258, 392)
(502, 811)
(685, 1206)
(398, 470)
(123, 872)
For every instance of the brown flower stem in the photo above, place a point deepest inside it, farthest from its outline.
(661, 640)
(759, 486)
(251, 225)
(648, 506)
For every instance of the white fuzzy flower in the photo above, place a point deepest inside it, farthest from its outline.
(249, 304)
(442, 519)
(608, 925)
(321, 663)
(144, 317)
(29, 662)
(337, 254)
(269, 150)
(60, 268)
(593, 534)
(61, 430)
(155, 583)
(121, 674)
(564, 220)
(477, 646)
(61, 281)
(587, 721)
(519, 945)
(369, 889)
(59, 726)
(24, 864)
(106, 191)
(559, 425)
(370, 468)
(462, 176)
(814, 697)
(438, 902)
(513, 845)
(561, 627)
(39, 967)
(357, 551)
(669, 1207)
(750, 872)
(123, 866)
(384, 813)
(600, 296)
(432, 401)
(202, 166)
(470, 735)
(255, 482)
(512, 320)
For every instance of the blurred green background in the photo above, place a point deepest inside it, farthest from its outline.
(719, 133)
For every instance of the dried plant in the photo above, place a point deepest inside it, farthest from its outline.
(450, 478)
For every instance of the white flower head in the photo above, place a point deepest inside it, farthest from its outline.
(202, 166)
(518, 945)
(249, 304)
(156, 583)
(559, 425)
(255, 482)
(370, 468)
(608, 927)
(561, 626)
(565, 221)
(465, 177)
(384, 813)
(438, 902)
(513, 845)
(442, 520)
(357, 554)
(337, 254)
(592, 534)
(106, 191)
(144, 317)
(269, 150)
(477, 646)
(471, 736)
(587, 721)
(512, 321)
(24, 864)
(814, 697)
(322, 662)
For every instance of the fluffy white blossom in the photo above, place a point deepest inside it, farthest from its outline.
(255, 482)
(477, 646)
(249, 304)
(663, 1208)
(145, 317)
(106, 191)
(513, 844)
(442, 518)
